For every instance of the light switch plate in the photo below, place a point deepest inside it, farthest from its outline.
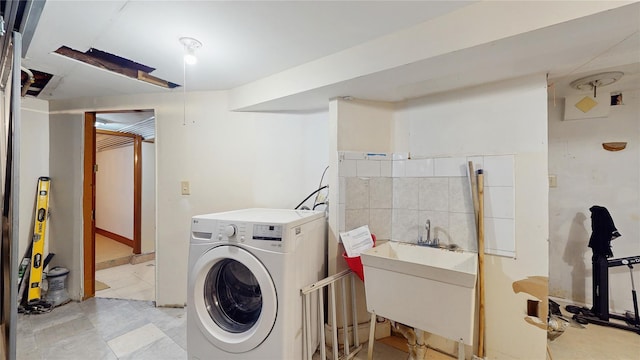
(184, 186)
(553, 181)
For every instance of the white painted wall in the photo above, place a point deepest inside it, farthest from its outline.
(34, 163)
(502, 118)
(232, 161)
(148, 231)
(66, 139)
(114, 191)
(588, 175)
(354, 125)
(365, 125)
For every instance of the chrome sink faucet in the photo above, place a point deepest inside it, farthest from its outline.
(427, 227)
(427, 241)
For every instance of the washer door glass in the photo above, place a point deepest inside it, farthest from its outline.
(232, 296)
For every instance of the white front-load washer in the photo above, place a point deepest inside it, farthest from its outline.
(246, 269)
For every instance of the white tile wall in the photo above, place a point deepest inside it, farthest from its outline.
(419, 168)
(405, 193)
(357, 193)
(499, 236)
(342, 191)
(462, 229)
(498, 202)
(381, 193)
(395, 195)
(386, 168)
(356, 218)
(460, 195)
(380, 222)
(398, 168)
(404, 226)
(498, 170)
(434, 194)
(347, 168)
(368, 168)
(450, 166)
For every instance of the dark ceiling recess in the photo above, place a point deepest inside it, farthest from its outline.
(36, 84)
(21, 16)
(117, 64)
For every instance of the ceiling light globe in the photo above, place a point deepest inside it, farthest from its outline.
(190, 59)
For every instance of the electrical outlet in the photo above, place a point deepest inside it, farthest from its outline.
(184, 186)
(553, 181)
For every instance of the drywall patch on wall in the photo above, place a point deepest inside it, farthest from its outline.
(586, 106)
(536, 286)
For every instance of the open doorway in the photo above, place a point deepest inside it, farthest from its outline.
(120, 191)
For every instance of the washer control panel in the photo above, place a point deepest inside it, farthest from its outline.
(267, 232)
(231, 232)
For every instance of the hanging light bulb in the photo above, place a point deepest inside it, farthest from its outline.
(190, 46)
(190, 57)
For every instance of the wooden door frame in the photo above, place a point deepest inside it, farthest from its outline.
(89, 204)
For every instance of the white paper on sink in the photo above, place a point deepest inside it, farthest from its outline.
(356, 240)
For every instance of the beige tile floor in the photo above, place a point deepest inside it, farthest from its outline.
(108, 249)
(594, 342)
(105, 329)
(135, 282)
(129, 329)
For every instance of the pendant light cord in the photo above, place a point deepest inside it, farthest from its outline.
(184, 93)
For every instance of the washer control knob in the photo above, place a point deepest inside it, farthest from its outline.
(230, 230)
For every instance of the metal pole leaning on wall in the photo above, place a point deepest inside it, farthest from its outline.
(481, 319)
(15, 193)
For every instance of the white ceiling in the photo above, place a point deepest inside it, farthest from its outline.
(142, 123)
(244, 41)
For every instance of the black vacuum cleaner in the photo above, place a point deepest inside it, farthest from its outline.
(603, 231)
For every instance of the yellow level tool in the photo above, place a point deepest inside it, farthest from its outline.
(39, 230)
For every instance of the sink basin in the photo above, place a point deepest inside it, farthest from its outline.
(431, 289)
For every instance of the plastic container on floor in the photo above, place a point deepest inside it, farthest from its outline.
(57, 293)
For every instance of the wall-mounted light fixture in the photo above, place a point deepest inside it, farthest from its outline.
(190, 47)
(593, 82)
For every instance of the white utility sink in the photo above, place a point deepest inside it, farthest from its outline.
(427, 288)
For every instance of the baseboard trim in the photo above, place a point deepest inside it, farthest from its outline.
(140, 258)
(113, 236)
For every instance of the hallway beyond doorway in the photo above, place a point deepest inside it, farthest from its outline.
(110, 253)
(133, 282)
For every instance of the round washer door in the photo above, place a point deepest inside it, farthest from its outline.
(234, 297)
